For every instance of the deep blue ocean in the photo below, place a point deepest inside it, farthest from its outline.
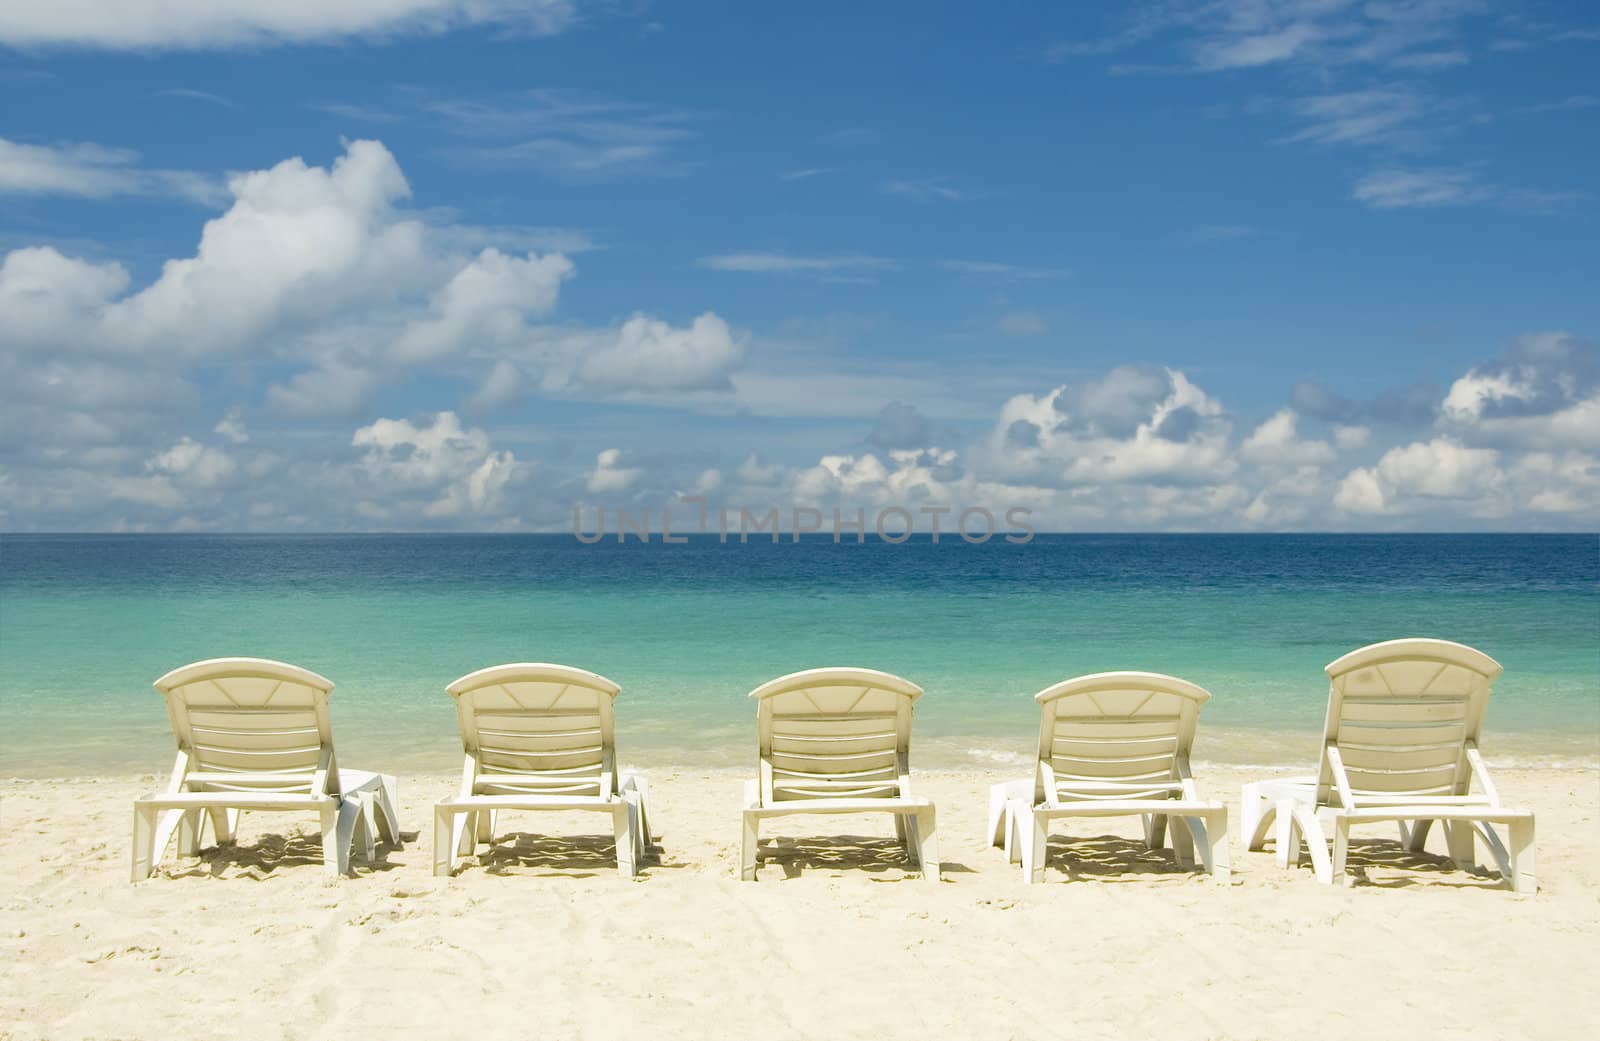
(87, 622)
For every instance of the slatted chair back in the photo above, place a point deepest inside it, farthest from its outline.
(1401, 715)
(836, 733)
(1115, 735)
(251, 724)
(537, 728)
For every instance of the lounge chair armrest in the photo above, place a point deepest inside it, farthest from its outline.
(1191, 791)
(1480, 770)
(1341, 780)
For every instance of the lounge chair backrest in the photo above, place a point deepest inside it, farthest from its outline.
(250, 724)
(1115, 735)
(1401, 715)
(533, 727)
(834, 734)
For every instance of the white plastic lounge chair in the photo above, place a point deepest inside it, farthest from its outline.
(1400, 744)
(1113, 744)
(538, 737)
(254, 735)
(837, 741)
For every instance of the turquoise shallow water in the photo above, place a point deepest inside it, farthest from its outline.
(87, 622)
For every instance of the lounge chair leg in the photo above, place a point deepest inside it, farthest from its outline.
(1155, 829)
(1307, 824)
(444, 840)
(1217, 863)
(622, 824)
(485, 826)
(1035, 850)
(1252, 807)
(338, 829)
(389, 811)
(1183, 843)
(1524, 864)
(1286, 844)
(463, 830)
(1016, 813)
(748, 847)
(640, 784)
(910, 840)
(367, 828)
(1341, 848)
(996, 817)
(189, 833)
(1458, 836)
(927, 844)
(631, 796)
(145, 851)
(224, 824)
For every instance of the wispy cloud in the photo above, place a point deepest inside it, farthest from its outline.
(931, 190)
(96, 172)
(200, 25)
(1435, 187)
(997, 269)
(1247, 50)
(196, 95)
(1429, 61)
(1575, 103)
(447, 227)
(569, 133)
(1022, 323)
(1381, 115)
(1228, 35)
(805, 175)
(789, 264)
(357, 113)
(1412, 189)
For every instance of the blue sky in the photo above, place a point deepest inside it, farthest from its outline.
(403, 264)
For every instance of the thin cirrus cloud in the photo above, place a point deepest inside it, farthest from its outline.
(1004, 271)
(1336, 41)
(1378, 116)
(789, 264)
(96, 172)
(1397, 188)
(1239, 35)
(930, 190)
(568, 133)
(208, 24)
(190, 94)
(805, 174)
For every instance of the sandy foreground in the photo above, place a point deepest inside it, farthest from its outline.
(837, 940)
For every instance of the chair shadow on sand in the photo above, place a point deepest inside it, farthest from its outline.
(878, 856)
(1420, 868)
(571, 856)
(268, 854)
(1112, 858)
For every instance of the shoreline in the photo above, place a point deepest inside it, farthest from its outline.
(645, 747)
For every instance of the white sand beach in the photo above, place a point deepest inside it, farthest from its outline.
(836, 939)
